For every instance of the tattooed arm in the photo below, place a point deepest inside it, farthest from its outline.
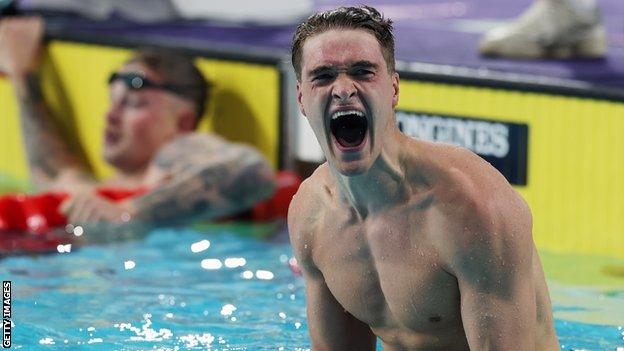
(52, 164)
(203, 176)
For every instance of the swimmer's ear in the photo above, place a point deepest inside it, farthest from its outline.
(187, 120)
(299, 97)
(395, 86)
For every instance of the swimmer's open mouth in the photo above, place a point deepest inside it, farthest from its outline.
(349, 127)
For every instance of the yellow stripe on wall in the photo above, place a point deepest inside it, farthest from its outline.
(575, 159)
(244, 104)
(12, 163)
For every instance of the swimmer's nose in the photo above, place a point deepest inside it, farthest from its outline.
(343, 89)
(113, 115)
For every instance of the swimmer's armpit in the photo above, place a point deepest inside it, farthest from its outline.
(204, 180)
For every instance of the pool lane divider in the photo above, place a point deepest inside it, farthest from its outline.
(29, 223)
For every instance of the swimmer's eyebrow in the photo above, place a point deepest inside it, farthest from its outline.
(321, 69)
(329, 68)
(364, 64)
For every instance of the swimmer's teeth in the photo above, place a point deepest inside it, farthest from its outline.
(343, 113)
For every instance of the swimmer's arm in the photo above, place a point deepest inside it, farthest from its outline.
(492, 261)
(204, 182)
(49, 157)
(330, 326)
(51, 162)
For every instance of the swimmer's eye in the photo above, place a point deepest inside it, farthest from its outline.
(362, 73)
(324, 77)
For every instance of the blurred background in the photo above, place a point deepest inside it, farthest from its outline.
(553, 127)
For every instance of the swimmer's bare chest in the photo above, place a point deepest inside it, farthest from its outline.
(386, 272)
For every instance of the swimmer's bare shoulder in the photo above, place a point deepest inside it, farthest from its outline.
(331, 326)
(476, 201)
(306, 210)
(186, 149)
(484, 239)
(192, 151)
(202, 175)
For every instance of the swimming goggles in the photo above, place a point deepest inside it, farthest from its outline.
(135, 81)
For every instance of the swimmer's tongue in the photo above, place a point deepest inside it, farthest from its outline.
(349, 130)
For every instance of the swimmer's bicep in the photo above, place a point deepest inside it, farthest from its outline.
(497, 293)
(499, 318)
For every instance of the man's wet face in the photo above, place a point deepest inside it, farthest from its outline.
(348, 96)
(138, 122)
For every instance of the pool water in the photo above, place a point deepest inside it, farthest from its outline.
(215, 288)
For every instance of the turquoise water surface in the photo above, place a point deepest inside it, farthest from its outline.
(210, 289)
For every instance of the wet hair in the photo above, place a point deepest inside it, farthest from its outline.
(361, 17)
(176, 69)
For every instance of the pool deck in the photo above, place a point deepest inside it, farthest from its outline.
(441, 32)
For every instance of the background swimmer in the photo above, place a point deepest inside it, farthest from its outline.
(424, 245)
(157, 99)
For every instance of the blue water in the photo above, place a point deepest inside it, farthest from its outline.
(156, 293)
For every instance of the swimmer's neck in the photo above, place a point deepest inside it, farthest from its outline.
(382, 186)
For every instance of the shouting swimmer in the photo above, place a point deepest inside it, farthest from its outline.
(156, 101)
(421, 244)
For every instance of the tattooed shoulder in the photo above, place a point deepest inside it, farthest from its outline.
(185, 151)
(207, 176)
